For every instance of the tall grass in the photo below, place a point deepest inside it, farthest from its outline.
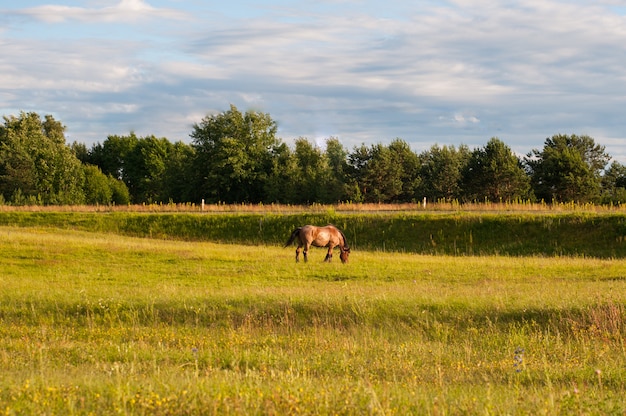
(105, 324)
(343, 207)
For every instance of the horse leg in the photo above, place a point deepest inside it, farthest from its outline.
(329, 255)
(298, 254)
(305, 252)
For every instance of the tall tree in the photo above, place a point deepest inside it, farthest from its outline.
(377, 176)
(112, 155)
(358, 160)
(178, 176)
(145, 168)
(614, 184)
(234, 153)
(568, 168)
(312, 172)
(441, 172)
(153, 169)
(409, 163)
(338, 163)
(495, 173)
(35, 162)
(281, 187)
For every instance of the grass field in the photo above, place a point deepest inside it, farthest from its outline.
(104, 324)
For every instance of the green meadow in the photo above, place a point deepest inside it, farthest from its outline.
(95, 319)
(456, 233)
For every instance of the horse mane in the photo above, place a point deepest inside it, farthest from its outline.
(345, 241)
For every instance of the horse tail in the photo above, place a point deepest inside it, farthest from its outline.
(294, 234)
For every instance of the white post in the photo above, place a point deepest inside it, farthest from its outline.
(424, 202)
(202, 205)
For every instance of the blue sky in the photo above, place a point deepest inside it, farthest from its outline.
(429, 72)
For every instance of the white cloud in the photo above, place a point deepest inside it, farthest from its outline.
(124, 11)
(462, 119)
(76, 66)
(456, 72)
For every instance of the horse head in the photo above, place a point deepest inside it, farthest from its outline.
(345, 252)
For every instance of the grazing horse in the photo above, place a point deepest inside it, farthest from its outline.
(328, 236)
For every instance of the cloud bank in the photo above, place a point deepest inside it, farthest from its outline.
(445, 72)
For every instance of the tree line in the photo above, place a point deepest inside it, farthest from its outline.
(236, 157)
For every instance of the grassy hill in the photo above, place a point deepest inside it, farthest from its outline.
(599, 235)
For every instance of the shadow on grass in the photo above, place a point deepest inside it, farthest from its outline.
(606, 320)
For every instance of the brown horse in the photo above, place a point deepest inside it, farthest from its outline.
(328, 236)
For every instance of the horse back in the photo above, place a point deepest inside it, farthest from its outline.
(328, 235)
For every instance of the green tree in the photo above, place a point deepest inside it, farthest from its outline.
(145, 168)
(614, 184)
(97, 187)
(36, 163)
(568, 168)
(313, 174)
(178, 176)
(496, 174)
(234, 155)
(358, 159)
(377, 177)
(441, 172)
(337, 157)
(281, 187)
(119, 190)
(81, 152)
(409, 163)
(101, 189)
(152, 169)
(112, 155)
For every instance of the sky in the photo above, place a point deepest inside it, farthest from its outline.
(455, 72)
